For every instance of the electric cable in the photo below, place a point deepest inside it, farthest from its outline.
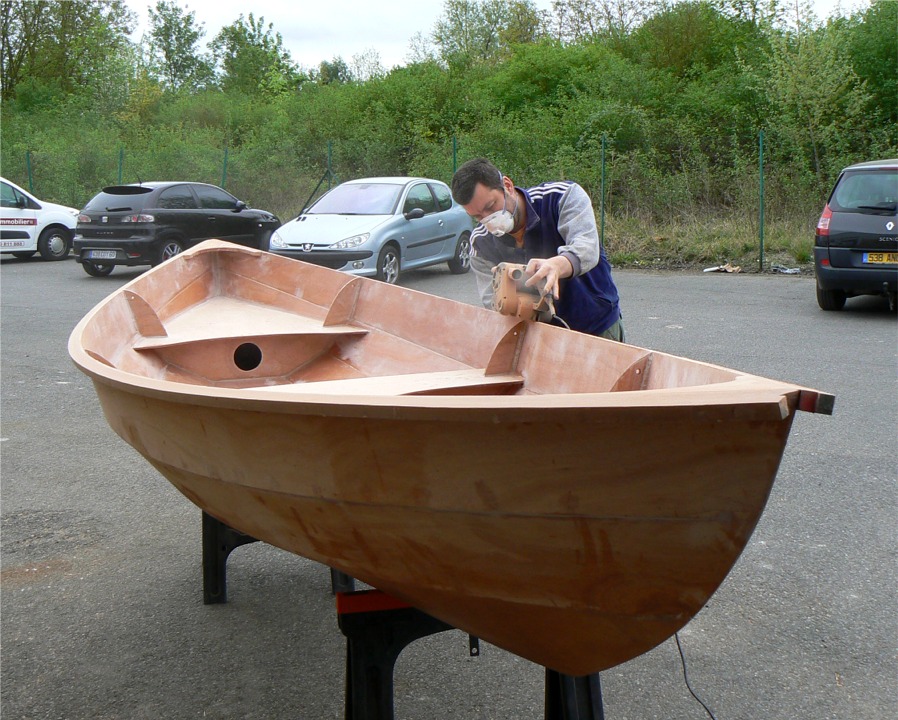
(686, 678)
(561, 320)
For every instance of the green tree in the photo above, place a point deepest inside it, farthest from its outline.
(174, 47)
(472, 31)
(252, 58)
(577, 21)
(873, 48)
(59, 43)
(817, 100)
(690, 38)
(335, 71)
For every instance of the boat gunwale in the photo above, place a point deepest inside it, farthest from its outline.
(742, 390)
(751, 393)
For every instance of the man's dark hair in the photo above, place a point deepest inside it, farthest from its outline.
(478, 170)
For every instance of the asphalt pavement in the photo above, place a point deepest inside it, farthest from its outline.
(102, 612)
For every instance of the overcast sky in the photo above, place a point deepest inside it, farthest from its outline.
(317, 31)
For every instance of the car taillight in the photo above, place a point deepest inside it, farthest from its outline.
(84, 218)
(823, 222)
(138, 219)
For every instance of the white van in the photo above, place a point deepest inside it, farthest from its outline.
(29, 225)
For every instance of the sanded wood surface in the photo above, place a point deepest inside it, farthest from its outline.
(573, 500)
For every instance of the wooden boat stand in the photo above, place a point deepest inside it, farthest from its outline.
(378, 627)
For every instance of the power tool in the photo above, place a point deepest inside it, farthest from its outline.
(512, 297)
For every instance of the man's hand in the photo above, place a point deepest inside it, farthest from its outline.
(552, 270)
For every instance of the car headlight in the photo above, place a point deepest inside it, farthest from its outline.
(276, 240)
(350, 242)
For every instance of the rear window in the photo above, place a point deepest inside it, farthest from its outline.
(866, 191)
(119, 197)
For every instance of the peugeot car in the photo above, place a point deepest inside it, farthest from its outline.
(378, 227)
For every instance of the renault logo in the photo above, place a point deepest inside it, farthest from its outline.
(890, 225)
(104, 219)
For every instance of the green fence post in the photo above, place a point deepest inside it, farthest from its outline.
(330, 171)
(602, 235)
(224, 167)
(121, 163)
(454, 154)
(761, 193)
(28, 166)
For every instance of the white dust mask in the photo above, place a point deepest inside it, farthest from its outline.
(501, 222)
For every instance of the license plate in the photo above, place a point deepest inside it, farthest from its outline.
(881, 257)
(101, 255)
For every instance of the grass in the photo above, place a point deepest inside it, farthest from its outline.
(685, 244)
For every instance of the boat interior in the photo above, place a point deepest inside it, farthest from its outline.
(232, 318)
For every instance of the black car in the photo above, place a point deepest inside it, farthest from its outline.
(146, 223)
(856, 245)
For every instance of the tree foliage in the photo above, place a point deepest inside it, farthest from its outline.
(484, 31)
(59, 43)
(253, 59)
(676, 94)
(174, 47)
(873, 51)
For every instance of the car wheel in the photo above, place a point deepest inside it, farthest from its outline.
(388, 264)
(830, 299)
(169, 249)
(461, 263)
(97, 269)
(53, 244)
(23, 255)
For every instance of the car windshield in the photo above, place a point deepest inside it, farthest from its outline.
(358, 199)
(875, 191)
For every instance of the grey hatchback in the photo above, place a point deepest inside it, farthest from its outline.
(379, 227)
(147, 223)
(856, 243)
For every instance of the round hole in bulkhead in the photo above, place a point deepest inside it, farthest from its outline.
(248, 356)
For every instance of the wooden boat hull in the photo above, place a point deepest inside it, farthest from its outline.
(577, 531)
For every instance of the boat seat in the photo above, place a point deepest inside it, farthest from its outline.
(224, 318)
(153, 343)
(469, 381)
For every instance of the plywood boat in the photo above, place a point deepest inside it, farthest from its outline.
(573, 500)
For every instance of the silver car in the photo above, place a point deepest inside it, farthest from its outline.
(379, 226)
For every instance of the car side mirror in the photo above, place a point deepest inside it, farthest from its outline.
(21, 202)
(240, 205)
(414, 214)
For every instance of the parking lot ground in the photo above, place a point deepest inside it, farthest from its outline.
(102, 613)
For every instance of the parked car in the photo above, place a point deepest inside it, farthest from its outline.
(29, 225)
(856, 244)
(146, 223)
(379, 227)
